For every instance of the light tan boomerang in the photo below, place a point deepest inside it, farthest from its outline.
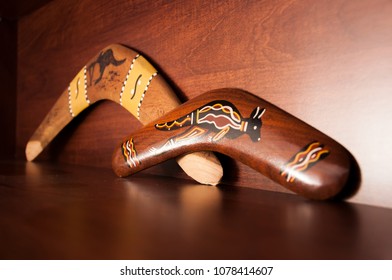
(120, 74)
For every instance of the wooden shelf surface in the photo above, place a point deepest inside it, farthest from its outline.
(58, 211)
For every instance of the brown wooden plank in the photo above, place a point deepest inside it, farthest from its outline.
(326, 62)
(53, 211)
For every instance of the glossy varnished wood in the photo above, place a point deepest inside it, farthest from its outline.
(248, 129)
(326, 62)
(66, 212)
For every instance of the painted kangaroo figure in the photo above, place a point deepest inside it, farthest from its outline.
(104, 59)
(220, 117)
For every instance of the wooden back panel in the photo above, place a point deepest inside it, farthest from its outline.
(327, 62)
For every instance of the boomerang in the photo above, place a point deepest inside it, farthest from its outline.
(249, 129)
(121, 75)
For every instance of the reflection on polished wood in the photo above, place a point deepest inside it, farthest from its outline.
(72, 212)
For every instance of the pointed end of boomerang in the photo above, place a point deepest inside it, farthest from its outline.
(207, 172)
(33, 149)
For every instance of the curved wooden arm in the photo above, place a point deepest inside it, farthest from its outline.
(121, 75)
(249, 129)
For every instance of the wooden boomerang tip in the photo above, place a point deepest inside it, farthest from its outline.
(121, 75)
(202, 163)
(33, 149)
(249, 129)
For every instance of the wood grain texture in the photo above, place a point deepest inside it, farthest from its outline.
(13, 10)
(74, 212)
(326, 62)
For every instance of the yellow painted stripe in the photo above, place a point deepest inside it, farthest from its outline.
(136, 84)
(77, 93)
